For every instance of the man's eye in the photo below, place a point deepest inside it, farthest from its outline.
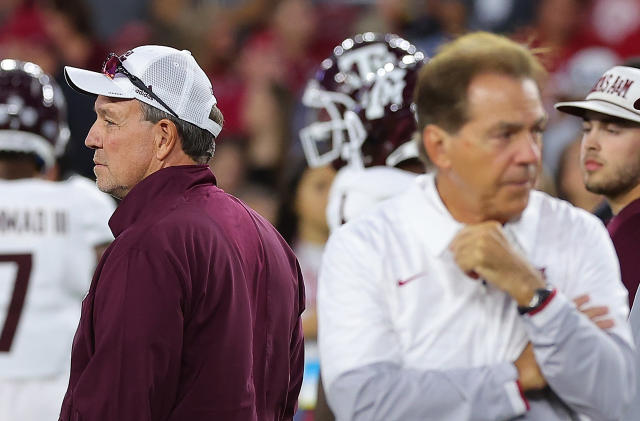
(505, 135)
(612, 128)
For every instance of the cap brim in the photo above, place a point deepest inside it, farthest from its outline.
(579, 108)
(93, 83)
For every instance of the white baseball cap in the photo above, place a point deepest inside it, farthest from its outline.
(616, 93)
(173, 82)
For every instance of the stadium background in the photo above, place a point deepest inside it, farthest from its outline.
(260, 54)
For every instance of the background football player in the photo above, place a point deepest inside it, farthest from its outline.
(361, 121)
(50, 235)
(364, 121)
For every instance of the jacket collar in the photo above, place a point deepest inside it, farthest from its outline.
(440, 227)
(158, 192)
(627, 212)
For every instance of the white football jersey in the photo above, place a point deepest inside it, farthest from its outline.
(48, 234)
(356, 190)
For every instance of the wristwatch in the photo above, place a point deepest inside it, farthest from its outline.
(540, 296)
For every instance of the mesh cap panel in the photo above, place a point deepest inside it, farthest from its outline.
(171, 78)
(174, 76)
(199, 94)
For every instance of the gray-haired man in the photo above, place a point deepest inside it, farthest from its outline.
(194, 310)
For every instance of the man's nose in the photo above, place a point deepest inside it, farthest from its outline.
(590, 140)
(529, 149)
(92, 141)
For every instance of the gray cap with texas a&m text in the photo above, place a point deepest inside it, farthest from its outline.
(616, 93)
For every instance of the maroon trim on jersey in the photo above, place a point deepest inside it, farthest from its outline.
(543, 304)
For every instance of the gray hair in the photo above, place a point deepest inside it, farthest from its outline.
(199, 144)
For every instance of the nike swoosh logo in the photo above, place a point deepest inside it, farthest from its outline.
(403, 282)
(543, 272)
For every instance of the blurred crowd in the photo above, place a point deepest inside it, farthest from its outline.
(259, 55)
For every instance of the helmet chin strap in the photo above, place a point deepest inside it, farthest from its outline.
(351, 151)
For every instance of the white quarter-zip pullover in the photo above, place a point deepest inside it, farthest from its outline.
(405, 335)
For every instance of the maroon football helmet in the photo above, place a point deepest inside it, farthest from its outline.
(32, 112)
(363, 101)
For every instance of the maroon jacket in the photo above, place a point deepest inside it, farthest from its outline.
(624, 229)
(193, 312)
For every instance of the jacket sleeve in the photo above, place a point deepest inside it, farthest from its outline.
(138, 329)
(297, 370)
(297, 354)
(590, 369)
(361, 356)
(385, 391)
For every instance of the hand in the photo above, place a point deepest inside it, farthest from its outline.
(484, 250)
(529, 373)
(596, 314)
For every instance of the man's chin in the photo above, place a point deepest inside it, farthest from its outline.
(594, 185)
(512, 208)
(115, 191)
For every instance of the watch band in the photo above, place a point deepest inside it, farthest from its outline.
(540, 297)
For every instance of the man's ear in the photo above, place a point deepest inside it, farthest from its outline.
(437, 145)
(165, 137)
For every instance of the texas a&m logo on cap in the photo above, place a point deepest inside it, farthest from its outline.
(614, 84)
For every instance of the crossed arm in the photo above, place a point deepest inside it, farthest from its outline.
(567, 352)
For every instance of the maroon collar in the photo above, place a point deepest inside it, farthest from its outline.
(157, 192)
(624, 215)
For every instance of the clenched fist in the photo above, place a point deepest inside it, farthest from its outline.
(483, 249)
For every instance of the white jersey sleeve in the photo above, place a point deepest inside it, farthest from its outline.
(90, 211)
(48, 235)
(94, 208)
(356, 190)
